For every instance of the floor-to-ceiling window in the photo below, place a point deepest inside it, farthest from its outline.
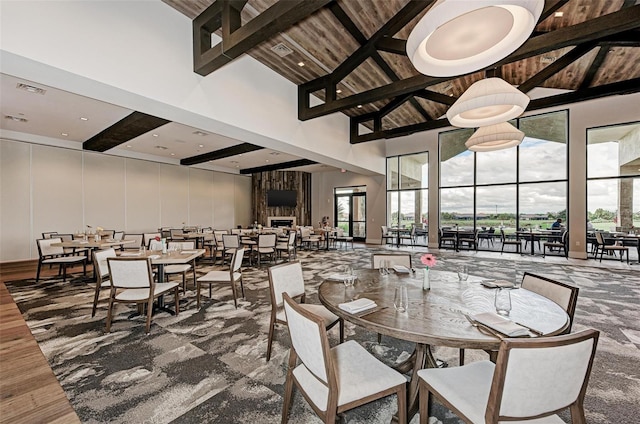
(407, 193)
(613, 179)
(523, 187)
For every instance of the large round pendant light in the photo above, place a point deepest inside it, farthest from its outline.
(494, 137)
(456, 37)
(487, 102)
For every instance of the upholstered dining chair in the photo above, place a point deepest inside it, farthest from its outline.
(230, 243)
(137, 241)
(132, 282)
(148, 237)
(233, 275)
(288, 278)
(334, 380)
(506, 241)
(555, 243)
(288, 246)
(564, 295)
(533, 379)
(52, 255)
(393, 258)
(343, 238)
(602, 246)
(181, 268)
(101, 270)
(266, 246)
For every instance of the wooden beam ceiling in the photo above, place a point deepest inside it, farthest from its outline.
(128, 128)
(278, 166)
(221, 154)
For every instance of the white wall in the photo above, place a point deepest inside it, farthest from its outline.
(44, 188)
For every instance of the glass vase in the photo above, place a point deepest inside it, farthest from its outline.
(426, 283)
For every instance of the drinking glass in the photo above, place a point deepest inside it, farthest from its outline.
(348, 276)
(463, 273)
(503, 301)
(401, 299)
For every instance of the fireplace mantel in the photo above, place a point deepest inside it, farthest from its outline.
(279, 219)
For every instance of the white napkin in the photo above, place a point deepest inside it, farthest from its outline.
(357, 305)
(189, 252)
(401, 269)
(154, 256)
(500, 324)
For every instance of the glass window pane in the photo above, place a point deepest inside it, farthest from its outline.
(392, 173)
(541, 204)
(456, 162)
(543, 153)
(614, 204)
(456, 207)
(414, 171)
(496, 167)
(613, 151)
(392, 208)
(496, 208)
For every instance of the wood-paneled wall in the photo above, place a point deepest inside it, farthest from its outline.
(281, 180)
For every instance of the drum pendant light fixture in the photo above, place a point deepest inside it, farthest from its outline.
(487, 102)
(494, 137)
(457, 37)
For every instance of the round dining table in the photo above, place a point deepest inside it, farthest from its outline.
(436, 317)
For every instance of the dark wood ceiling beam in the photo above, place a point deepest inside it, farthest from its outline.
(128, 128)
(624, 39)
(550, 7)
(436, 97)
(617, 88)
(221, 153)
(347, 23)
(595, 65)
(392, 45)
(585, 32)
(278, 166)
(555, 67)
(275, 19)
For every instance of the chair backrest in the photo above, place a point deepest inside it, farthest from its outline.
(155, 244)
(130, 272)
(100, 261)
(176, 232)
(236, 261)
(45, 248)
(292, 238)
(219, 233)
(384, 230)
(305, 232)
(183, 245)
(308, 339)
(107, 233)
(267, 240)
(117, 235)
(562, 294)
(136, 237)
(49, 234)
(230, 241)
(65, 237)
(236, 231)
(537, 377)
(147, 237)
(394, 259)
(285, 278)
(600, 238)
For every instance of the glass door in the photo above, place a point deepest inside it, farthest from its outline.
(351, 211)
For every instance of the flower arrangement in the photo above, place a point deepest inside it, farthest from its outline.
(428, 260)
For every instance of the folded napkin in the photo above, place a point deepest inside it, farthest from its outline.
(131, 254)
(497, 283)
(401, 269)
(357, 305)
(501, 324)
(154, 256)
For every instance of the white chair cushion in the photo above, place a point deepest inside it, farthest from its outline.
(132, 295)
(64, 259)
(213, 276)
(468, 389)
(327, 316)
(360, 375)
(176, 269)
(265, 250)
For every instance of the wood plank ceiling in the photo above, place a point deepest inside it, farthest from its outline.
(353, 56)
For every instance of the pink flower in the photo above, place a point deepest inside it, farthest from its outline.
(428, 259)
(157, 238)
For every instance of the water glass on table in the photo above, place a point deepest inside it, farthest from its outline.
(463, 273)
(401, 299)
(503, 301)
(349, 277)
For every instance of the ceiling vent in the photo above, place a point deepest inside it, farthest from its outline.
(281, 50)
(30, 88)
(547, 59)
(15, 118)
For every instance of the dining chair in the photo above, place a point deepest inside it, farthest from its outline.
(288, 278)
(233, 275)
(307, 238)
(393, 258)
(230, 243)
(266, 246)
(554, 243)
(176, 234)
(118, 235)
(49, 234)
(137, 238)
(533, 379)
(468, 239)
(288, 246)
(506, 241)
(147, 237)
(181, 268)
(101, 270)
(411, 236)
(602, 246)
(447, 239)
(52, 255)
(564, 295)
(132, 282)
(334, 380)
(342, 238)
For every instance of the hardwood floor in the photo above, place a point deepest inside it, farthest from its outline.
(29, 391)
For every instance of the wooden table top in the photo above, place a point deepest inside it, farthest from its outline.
(435, 316)
(91, 243)
(169, 258)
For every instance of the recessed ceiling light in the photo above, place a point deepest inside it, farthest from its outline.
(64, 134)
(15, 118)
(30, 88)
(173, 154)
(200, 145)
(267, 160)
(338, 91)
(359, 106)
(82, 118)
(155, 135)
(200, 133)
(558, 14)
(237, 166)
(128, 146)
(301, 64)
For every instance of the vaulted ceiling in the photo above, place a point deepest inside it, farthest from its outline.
(349, 56)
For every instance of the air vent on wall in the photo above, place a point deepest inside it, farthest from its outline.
(281, 50)
(15, 118)
(30, 88)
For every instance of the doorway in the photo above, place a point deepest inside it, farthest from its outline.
(351, 211)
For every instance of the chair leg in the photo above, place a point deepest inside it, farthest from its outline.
(149, 313)
(402, 403)
(38, 271)
(242, 287)
(461, 358)
(95, 299)
(272, 326)
(341, 324)
(235, 296)
(288, 394)
(423, 401)
(198, 294)
(109, 313)
(177, 296)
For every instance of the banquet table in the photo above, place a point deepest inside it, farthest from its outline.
(435, 317)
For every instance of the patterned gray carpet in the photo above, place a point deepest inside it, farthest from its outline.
(208, 365)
